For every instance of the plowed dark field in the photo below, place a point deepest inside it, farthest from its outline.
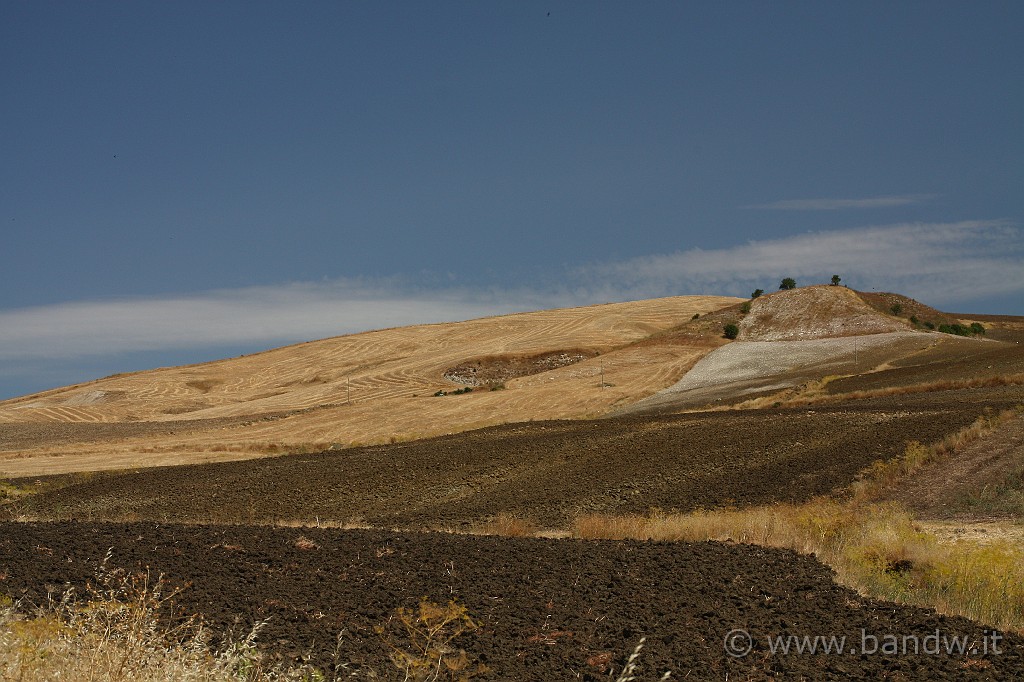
(956, 359)
(548, 609)
(548, 472)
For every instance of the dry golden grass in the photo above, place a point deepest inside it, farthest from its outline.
(506, 525)
(363, 388)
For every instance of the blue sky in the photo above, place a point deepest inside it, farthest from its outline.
(191, 180)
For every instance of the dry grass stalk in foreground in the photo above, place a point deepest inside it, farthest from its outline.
(116, 636)
(632, 663)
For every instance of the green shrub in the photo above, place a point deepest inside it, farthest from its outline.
(929, 325)
(896, 309)
(977, 328)
(731, 331)
(458, 391)
(914, 321)
(958, 329)
(745, 308)
(757, 293)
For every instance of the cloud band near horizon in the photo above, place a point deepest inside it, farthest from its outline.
(940, 263)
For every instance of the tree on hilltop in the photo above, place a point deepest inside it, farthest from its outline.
(787, 284)
(835, 280)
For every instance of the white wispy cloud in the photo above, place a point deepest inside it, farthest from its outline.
(843, 204)
(268, 315)
(939, 263)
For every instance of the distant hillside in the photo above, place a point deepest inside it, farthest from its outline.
(362, 388)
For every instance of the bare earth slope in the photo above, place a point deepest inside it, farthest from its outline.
(744, 368)
(802, 335)
(363, 388)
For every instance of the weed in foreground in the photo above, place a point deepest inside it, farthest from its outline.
(421, 641)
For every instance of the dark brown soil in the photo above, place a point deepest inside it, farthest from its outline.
(951, 359)
(546, 472)
(18, 435)
(984, 481)
(548, 609)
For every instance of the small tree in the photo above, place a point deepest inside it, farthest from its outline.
(731, 331)
(787, 284)
(835, 280)
(757, 293)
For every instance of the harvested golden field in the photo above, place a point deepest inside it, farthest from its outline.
(363, 388)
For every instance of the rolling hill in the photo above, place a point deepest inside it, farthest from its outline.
(372, 387)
